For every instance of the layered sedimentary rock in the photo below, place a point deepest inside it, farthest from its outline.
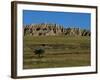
(53, 30)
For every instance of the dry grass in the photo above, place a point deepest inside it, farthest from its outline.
(60, 51)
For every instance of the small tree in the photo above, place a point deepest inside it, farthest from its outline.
(39, 52)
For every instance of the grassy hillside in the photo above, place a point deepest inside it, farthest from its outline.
(60, 51)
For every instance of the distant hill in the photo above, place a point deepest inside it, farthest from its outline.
(44, 29)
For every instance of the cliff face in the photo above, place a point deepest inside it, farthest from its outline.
(53, 30)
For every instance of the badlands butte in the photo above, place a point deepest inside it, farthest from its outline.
(45, 29)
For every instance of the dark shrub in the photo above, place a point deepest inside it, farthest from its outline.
(39, 52)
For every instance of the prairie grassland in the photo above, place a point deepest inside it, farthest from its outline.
(60, 51)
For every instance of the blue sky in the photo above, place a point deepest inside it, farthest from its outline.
(67, 19)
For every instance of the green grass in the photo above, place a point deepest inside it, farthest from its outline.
(60, 51)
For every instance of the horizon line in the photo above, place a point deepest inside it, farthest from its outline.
(57, 25)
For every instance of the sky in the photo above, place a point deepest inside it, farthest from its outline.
(66, 19)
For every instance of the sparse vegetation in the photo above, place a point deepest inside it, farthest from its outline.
(60, 51)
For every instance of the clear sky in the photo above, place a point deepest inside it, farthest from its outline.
(67, 19)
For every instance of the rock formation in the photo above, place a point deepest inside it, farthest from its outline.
(53, 30)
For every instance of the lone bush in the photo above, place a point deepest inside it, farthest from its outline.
(39, 52)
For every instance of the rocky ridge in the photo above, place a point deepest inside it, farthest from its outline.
(44, 29)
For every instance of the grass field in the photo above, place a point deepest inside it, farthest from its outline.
(60, 51)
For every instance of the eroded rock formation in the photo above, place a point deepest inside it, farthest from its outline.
(53, 30)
